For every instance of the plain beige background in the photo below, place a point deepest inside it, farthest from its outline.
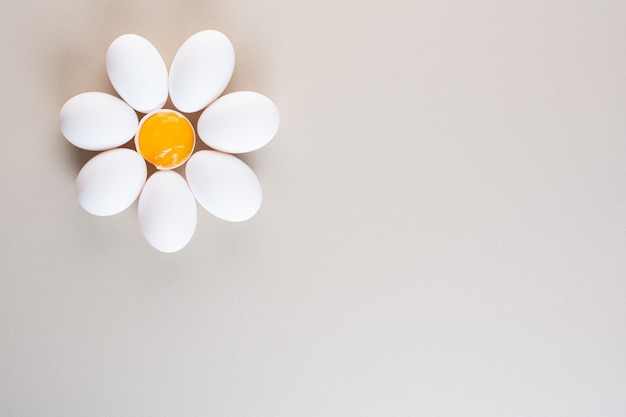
(443, 230)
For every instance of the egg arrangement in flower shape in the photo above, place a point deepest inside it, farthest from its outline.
(234, 123)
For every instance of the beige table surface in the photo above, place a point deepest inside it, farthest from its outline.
(443, 231)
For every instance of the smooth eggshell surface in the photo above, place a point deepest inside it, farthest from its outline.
(167, 212)
(110, 181)
(201, 70)
(97, 121)
(239, 122)
(137, 72)
(224, 185)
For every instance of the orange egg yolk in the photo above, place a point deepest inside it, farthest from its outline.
(165, 139)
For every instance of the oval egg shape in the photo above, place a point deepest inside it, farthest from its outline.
(137, 72)
(239, 122)
(167, 212)
(97, 121)
(111, 181)
(224, 185)
(201, 70)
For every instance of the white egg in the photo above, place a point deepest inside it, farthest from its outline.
(201, 70)
(239, 122)
(224, 185)
(137, 72)
(167, 212)
(97, 121)
(111, 181)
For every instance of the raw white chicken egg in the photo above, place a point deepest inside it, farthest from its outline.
(137, 72)
(239, 122)
(110, 181)
(201, 70)
(97, 121)
(167, 211)
(224, 185)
